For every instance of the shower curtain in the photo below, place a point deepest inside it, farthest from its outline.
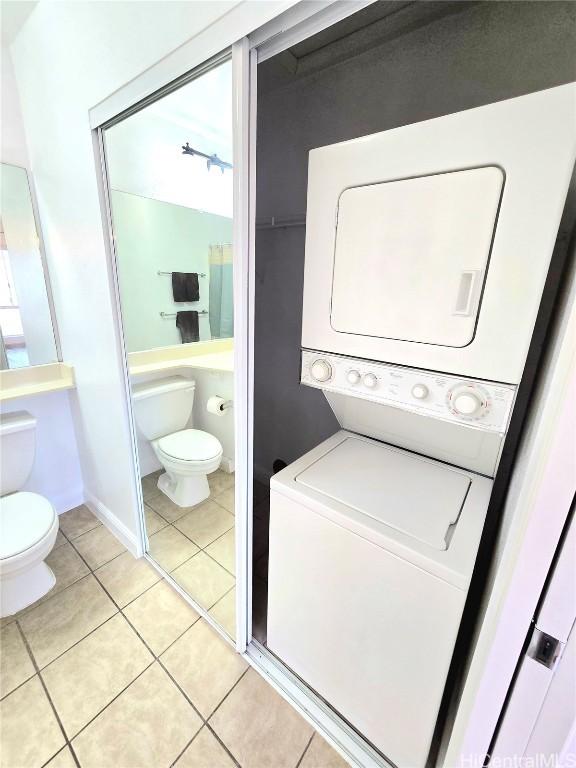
(221, 312)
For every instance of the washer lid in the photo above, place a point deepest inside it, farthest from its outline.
(25, 518)
(417, 497)
(190, 445)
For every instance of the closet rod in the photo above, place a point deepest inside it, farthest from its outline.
(275, 222)
(173, 314)
(200, 274)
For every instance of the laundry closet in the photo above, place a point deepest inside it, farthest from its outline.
(413, 164)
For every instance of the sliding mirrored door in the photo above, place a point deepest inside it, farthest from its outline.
(171, 177)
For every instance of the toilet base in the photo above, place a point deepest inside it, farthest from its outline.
(185, 490)
(22, 588)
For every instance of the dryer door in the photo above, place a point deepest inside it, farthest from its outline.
(416, 251)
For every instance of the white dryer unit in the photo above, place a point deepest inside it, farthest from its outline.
(371, 554)
(428, 245)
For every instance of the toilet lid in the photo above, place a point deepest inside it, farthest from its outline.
(190, 445)
(25, 518)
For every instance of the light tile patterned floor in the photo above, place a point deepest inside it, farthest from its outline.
(113, 669)
(196, 545)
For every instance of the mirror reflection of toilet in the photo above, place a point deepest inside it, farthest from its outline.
(162, 409)
(28, 522)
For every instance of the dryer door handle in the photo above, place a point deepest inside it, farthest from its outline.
(465, 300)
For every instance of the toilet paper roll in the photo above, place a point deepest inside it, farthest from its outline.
(216, 405)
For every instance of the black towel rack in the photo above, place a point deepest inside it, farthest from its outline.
(200, 274)
(173, 314)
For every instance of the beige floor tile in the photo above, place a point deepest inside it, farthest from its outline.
(150, 485)
(223, 550)
(30, 732)
(220, 481)
(205, 752)
(321, 755)
(259, 727)
(203, 579)
(154, 522)
(224, 612)
(170, 548)
(55, 625)
(204, 665)
(15, 662)
(98, 546)
(88, 676)
(205, 523)
(77, 521)
(147, 726)
(60, 539)
(126, 577)
(160, 616)
(226, 499)
(67, 566)
(166, 508)
(63, 759)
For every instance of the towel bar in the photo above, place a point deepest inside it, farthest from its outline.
(173, 314)
(200, 274)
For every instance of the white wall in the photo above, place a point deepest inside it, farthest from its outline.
(56, 473)
(68, 57)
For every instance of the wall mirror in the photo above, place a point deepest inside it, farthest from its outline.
(26, 322)
(170, 177)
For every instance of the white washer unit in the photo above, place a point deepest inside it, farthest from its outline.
(429, 244)
(371, 554)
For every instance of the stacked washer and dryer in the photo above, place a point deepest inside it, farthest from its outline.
(427, 249)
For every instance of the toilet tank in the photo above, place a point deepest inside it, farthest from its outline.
(17, 448)
(163, 406)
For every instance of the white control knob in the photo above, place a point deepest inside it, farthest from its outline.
(420, 391)
(370, 380)
(321, 370)
(467, 403)
(353, 377)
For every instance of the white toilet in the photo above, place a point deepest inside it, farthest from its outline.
(162, 409)
(28, 522)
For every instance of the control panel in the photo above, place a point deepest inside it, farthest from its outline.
(482, 405)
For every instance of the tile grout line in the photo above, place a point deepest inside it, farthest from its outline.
(47, 693)
(306, 748)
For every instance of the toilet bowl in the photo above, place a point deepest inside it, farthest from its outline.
(188, 457)
(28, 530)
(162, 408)
(28, 522)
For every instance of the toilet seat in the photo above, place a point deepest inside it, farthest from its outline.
(25, 519)
(190, 445)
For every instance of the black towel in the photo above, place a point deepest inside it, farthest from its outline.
(185, 286)
(187, 323)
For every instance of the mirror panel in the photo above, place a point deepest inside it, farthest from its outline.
(27, 331)
(171, 180)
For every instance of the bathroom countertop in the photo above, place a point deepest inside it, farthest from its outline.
(216, 355)
(35, 380)
(215, 361)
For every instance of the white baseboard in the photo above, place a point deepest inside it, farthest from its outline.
(227, 465)
(115, 526)
(68, 499)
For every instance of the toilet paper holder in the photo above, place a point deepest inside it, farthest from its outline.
(217, 405)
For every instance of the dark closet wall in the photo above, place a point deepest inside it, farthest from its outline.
(471, 54)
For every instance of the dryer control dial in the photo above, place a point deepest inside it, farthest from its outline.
(370, 380)
(321, 370)
(420, 391)
(353, 377)
(468, 400)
